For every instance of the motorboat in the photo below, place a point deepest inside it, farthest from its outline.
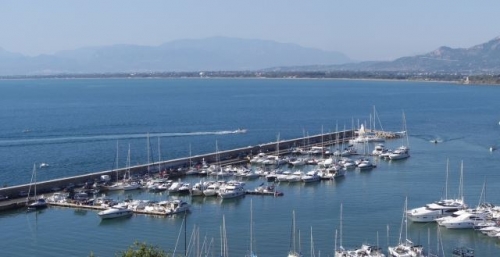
(197, 188)
(440, 209)
(296, 161)
(401, 152)
(464, 220)
(240, 131)
(168, 207)
(433, 211)
(463, 252)
(131, 186)
(115, 212)
(212, 189)
(232, 190)
(176, 206)
(185, 188)
(365, 164)
(311, 176)
(379, 149)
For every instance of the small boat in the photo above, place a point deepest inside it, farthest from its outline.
(44, 165)
(40, 202)
(265, 190)
(463, 252)
(240, 131)
(115, 212)
(168, 207)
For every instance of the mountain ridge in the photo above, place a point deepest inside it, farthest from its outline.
(236, 54)
(215, 53)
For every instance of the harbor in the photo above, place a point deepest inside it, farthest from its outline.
(177, 168)
(75, 140)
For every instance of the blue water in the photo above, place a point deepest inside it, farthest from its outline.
(74, 126)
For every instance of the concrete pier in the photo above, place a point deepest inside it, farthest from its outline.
(175, 166)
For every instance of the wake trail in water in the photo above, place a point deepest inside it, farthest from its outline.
(71, 139)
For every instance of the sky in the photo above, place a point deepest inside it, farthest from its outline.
(361, 29)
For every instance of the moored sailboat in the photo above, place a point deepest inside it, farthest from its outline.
(40, 202)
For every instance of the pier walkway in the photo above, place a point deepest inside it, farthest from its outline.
(177, 167)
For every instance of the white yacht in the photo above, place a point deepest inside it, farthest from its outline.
(168, 207)
(402, 152)
(232, 190)
(433, 211)
(212, 189)
(365, 164)
(115, 212)
(297, 161)
(464, 220)
(131, 186)
(442, 208)
(176, 206)
(379, 149)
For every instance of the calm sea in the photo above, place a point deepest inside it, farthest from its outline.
(74, 126)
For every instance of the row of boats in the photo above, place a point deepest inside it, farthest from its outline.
(115, 209)
(126, 209)
(404, 248)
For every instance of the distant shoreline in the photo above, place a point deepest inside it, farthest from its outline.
(337, 75)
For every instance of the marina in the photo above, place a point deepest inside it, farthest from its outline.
(372, 199)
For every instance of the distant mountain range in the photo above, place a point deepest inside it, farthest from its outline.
(480, 59)
(210, 54)
(233, 54)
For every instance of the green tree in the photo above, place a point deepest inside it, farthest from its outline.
(143, 250)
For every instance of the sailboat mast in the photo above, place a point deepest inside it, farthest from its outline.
(128, 161)
(312, 243)
(251, 228)
(406, 219)
(148, 150)
(461, 188)
(117, 164)
(31, 183)
(335, 246)
(34, 172)
(341, 226)
(446, 185)
(293, 225)
(159, 155)
(185, 233)
(278, 145)
(405, 129)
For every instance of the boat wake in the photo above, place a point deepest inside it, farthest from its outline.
(437, 139)
(86, 138)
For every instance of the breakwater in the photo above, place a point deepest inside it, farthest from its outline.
(177, 167)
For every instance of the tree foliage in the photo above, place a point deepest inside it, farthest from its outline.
(139, 249)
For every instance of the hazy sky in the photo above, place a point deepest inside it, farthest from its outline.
(363, 30)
